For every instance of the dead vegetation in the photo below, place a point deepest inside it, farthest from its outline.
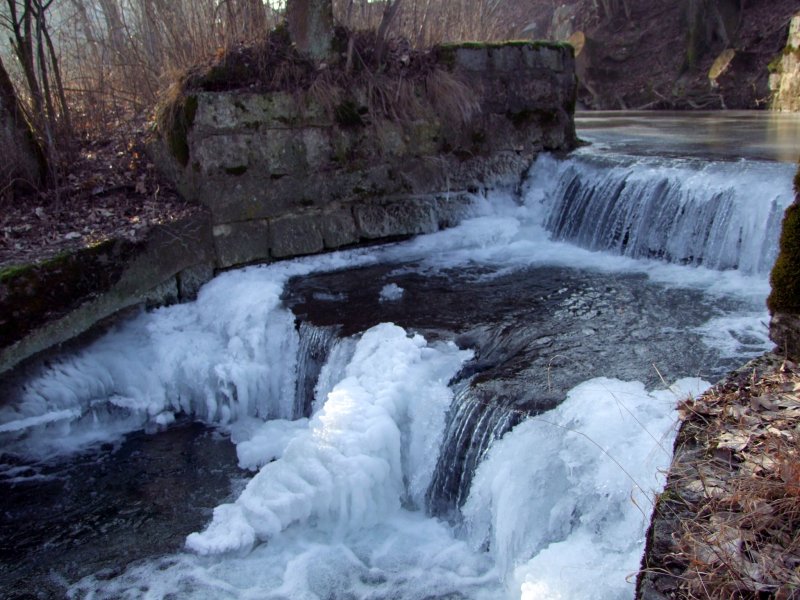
(111, 191)
(352, 87)
(734, 489)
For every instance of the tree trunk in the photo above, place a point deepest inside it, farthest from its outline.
(311, 26)
(389, 14)
(23, 164)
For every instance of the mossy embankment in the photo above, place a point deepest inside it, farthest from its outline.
(45, 304)
(32, 294)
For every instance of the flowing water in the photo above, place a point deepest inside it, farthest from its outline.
(484, 412)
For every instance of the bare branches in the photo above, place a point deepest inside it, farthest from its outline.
(428, 22)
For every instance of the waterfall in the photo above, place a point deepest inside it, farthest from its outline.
(720, 215)
(356, 442)
(474, 423)
(367, 450)
(313, 350)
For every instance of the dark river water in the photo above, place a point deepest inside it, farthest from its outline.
(639, 261)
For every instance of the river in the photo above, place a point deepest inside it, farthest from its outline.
(483, 412)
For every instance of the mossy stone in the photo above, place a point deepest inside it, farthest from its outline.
(785, 277)
(177, 135)
(348, 114)
(33, 294)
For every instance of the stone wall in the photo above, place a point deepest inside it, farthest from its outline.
(285, 174)
(784, 80)
(282, 177)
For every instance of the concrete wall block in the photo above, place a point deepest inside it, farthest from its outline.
(241, 243)
(472, 59)
(248, 111)
(191, 279)
(338, 228)
(296, 235)
(268, 152)
(393, 217)
(451, 209)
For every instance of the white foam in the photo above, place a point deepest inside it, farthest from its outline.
(259, 442)
(405, 557)
(738, 335)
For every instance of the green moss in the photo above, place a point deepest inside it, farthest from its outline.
(36, 293)
(775, 64)
(8, 273)
(348, 114)
(670, 495)
(236, 171)
(446, 56)
(226, 75)
(797, 182)
(785, 277)
(178, 130)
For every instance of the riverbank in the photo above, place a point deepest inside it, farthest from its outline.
(111, 190)
(727, 523)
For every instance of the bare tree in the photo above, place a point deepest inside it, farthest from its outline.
(24, 162)
(389, 13)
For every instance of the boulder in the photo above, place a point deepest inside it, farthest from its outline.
(784, 298)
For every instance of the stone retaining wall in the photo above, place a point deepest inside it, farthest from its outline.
(285, 174)
(282, 175)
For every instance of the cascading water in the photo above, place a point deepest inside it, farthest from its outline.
(475, 423)
(722, 215)
(314, 348)
(514, 394)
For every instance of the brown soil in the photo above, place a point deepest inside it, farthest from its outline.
(110, 189)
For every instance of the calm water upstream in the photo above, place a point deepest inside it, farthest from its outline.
(480, 413)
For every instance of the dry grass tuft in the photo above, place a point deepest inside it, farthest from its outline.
(350, 89)
(451, 96)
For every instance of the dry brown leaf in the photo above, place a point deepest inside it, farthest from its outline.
(757, 462)
(734, 441)
(766, 402)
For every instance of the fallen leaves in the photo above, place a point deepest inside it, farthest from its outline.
(740, 537)
(109, 190)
